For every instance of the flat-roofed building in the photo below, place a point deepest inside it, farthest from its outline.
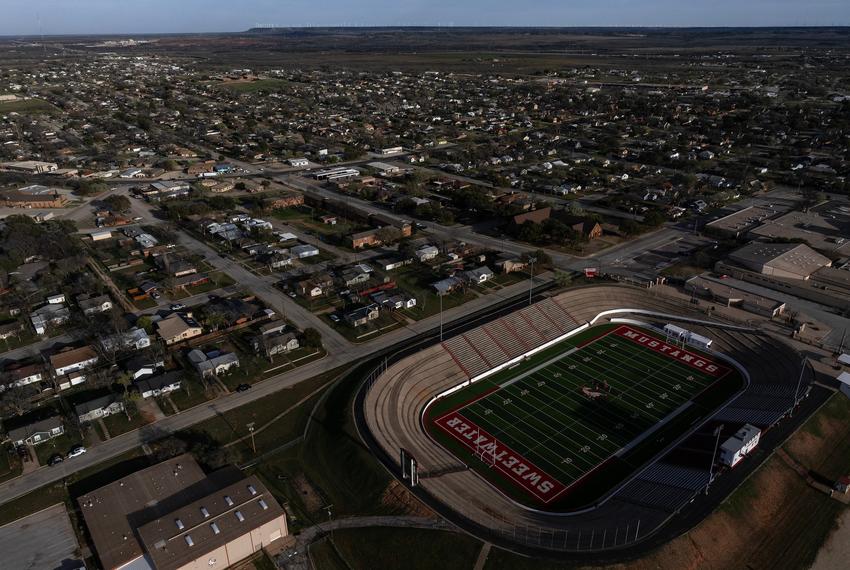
(788, 260)
(827, 233)
(732, 297)
(172, 516)
(739, 223)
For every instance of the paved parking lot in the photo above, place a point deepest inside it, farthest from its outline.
(43, 540)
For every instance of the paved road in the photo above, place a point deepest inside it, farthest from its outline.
(108, 449)
(37, 347)
(297, 557)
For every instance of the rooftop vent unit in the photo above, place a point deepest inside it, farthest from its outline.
(205, 512)
(215, 528)
(239, 516)
(179, 524)
(189, 540)
(264, 505)
(252, 490)
(228, 500)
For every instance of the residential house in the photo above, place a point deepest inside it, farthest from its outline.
(17, 375)
(363, 315)
(13, 329)
(37, 432)
(534, 216)
(141, 366)
(213, 363)
(304, 251)
(426, 253)
(363, 239)
(273, 327)
(589, 229)
(98, 408)
(510, 264)
(160, 385)
(133, 339)
(177, 328)
(71, 360)
(49, 315)
(479, 275)
(447, 285)
(276, 343)
(57, 299)
(93, 305)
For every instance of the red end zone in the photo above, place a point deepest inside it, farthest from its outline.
(686, 357)
(510, 463)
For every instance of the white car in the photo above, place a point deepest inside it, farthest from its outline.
(76, 452)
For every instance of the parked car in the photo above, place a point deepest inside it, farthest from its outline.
(291, 294)
(55, 459)
(243, 387)
(333, 317)
(178, 307)
(137, 219)
(76, 451)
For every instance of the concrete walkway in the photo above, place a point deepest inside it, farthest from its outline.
(296, 557)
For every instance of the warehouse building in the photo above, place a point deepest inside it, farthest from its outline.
(172, 516)
(786, 260)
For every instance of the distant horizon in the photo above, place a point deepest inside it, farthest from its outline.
(160, 17)
(422, 27)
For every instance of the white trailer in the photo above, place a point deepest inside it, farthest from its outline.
(739, 445)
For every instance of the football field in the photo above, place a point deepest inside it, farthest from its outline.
(559, 416)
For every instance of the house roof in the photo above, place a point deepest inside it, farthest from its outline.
(534, 216)
(46, 424)
(96, 403)
(159, 382)
(173, 326)
(73, 356)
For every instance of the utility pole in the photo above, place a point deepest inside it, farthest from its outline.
(251, 431)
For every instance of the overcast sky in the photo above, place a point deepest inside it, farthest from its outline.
(26, 17)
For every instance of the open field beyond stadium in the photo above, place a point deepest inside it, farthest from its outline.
(544, 428)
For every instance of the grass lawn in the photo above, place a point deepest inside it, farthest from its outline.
(118, 423)
(61, 444)
(217, 280)
(401, 548)
(26, 337)
(324, 555)
(373, 329)
(10, 465)
(192, 393)
(231, 425)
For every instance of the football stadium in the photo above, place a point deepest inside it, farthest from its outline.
(565, 423)
(601, 421)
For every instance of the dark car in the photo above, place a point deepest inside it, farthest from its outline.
(243, 387)
(55, 459)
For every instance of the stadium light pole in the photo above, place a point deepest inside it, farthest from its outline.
(532, 259)
(441, 316)
(714, 455)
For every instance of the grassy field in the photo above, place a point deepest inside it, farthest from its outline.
(569, 410)
(254, 86)
(232, 425)
(29, 106)
(411, 549)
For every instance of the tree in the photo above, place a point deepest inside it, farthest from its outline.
(388, 234)
(312, 338)
(117, 203)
